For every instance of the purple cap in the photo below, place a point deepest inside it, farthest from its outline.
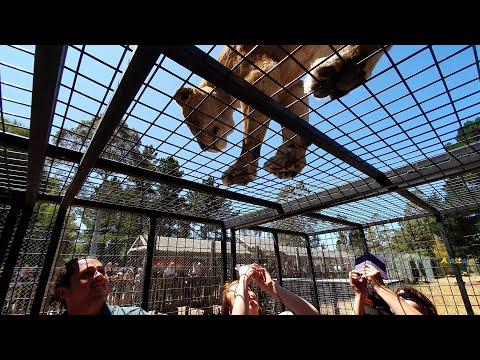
(376, 261)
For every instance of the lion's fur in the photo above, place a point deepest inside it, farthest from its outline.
(210, 118)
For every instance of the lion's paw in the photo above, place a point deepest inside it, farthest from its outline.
(334, 77)
(239, 174)
(286, 165)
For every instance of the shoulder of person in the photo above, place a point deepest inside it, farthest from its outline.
(126, 310)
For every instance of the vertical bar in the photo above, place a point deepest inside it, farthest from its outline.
(364, 240)
(223, 248)
(147, 277)
(277, 256)
(8, 229)
(48, 261)
(456, 270)
(47, 77)
(12, 256)
(279, 263)
(312, 270)
(233, 251)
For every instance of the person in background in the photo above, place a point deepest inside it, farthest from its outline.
(82, 288)
(403, 301)
(169, 270)
(239, 299)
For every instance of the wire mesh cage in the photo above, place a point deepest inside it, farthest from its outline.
(173, 164)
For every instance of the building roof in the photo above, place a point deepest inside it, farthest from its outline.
(245, 245)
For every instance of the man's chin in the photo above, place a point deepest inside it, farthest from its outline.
(100, 291)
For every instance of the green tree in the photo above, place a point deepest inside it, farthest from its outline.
(124, 147)
(168, 198)
(14, 127)
(378, 236)
(44, 214)
(466, 134)
(463, 228)
(349, 239)
(209, 206)
(297, 223)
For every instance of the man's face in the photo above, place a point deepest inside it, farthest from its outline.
(88, 283)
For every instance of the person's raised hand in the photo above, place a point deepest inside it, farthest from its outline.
(373, 276)
(357, 282)
(247, 271)
(265, 281)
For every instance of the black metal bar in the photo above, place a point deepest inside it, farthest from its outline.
(8, 229)
(115, 166)
(419, 173)
(364, 240)
(176, 182)
(147, 271)
(456, 270)
(418, 201)
(140, 65)
(11, 259)
(48, 261)
(427, 170)
(312, 271)
(332, 219)
(205, 66)
(47, 76)
(282, 231)
(424, 171)
(223, 249)
(125, 208)
(211, 70)
(233, 250)
(277, 256)
(6, 197)
(279, 263)
(456, 209)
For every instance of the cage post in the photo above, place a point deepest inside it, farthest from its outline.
(8, 230)
(364, 240)
(233, 251)
(223, 247)
(48, 261)
(9, 265)
(279, 263)
(456, 270)
(147, 273)
(312, 270)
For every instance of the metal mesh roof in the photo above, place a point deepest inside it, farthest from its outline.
(116, 136)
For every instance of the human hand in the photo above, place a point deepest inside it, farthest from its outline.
(357, 282)
(245, 270)
(374, 277)
(264, 280)
(252, 271)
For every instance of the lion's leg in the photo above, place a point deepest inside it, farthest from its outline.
(289, 160)
(337, 76)
(245, 169)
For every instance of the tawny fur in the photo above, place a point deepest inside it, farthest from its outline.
(333, 71)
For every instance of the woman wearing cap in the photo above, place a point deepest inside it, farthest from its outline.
(404, 301)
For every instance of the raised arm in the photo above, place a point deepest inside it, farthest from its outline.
(396, 303)
(359, 287)
(242, 297)
(294, 303)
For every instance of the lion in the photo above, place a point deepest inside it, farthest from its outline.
(334, 70)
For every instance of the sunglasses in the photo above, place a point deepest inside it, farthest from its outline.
(409, 296)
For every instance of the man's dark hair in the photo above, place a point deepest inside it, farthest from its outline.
(63, 280)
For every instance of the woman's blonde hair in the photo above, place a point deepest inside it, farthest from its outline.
(226, 288)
